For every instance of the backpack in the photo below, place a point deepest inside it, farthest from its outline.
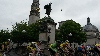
(79, 49)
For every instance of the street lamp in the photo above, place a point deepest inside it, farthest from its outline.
(23, 31)
(70, 34)
(49, 28)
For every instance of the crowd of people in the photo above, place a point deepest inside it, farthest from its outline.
(4, 47)
(58, 48)
(63, 49)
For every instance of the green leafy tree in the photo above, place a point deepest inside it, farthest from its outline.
(4, 36)
(75, 29)
(58, 35)
(81, 38)
(22, 32)
(33, 32)
(17, 33)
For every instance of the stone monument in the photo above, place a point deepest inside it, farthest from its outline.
(34, 13)
(48, 35)
(47, 30)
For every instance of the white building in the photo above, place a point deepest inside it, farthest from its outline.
(91, 31)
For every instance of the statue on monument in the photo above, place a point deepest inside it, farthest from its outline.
(88, 21)
(48, 8)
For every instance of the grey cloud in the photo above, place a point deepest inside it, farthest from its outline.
(13, 11)
(18, 10)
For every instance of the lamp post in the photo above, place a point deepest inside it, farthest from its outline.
(70, 35)
(49, 28)
(23, 34)
(23, 31)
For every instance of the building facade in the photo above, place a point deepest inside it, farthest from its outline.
(91, 31)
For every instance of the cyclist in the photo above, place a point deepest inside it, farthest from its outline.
(39, 50)
(53, 48)
(31, 47)
(64, 45)
(83, 50)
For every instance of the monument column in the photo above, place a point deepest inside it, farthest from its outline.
(34, 13)
(47, 29)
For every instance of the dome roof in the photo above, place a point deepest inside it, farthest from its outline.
(90, 28)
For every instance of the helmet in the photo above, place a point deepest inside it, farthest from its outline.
(66, 41)
(33, 42)
(8, 39)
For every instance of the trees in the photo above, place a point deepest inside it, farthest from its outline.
(75, 29)
(81, 37)
(17, 33)
(22, 32)
(58, 35)
(4, 36)
(33, 32)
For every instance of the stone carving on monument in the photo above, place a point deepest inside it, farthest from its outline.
(47, 29)
(48, 33)
(34, 13)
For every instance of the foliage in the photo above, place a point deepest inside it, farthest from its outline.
(75, 29)
(33, 32)
(58, 35)
(4, 36)
(81, 37)
(17, 33)
(22, 32)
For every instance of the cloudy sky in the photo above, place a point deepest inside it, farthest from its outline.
(12, 11)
